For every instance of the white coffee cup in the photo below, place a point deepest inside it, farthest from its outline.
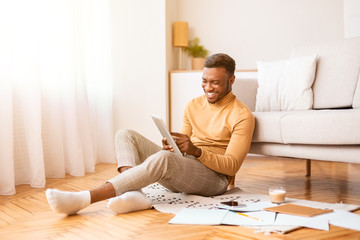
(277, 194)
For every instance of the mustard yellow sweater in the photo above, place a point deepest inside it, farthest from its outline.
(222, 130)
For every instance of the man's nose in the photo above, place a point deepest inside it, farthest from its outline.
(208, 87)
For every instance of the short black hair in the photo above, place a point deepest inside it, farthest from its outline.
(221, 60)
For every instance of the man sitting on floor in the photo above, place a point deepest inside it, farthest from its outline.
(215, 139)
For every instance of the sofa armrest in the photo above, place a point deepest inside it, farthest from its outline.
(245, 90)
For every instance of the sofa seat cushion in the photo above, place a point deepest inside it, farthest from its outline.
(336, 127)
(267, 126)
(322, 127)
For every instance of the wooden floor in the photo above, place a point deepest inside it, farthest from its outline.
(27, 215)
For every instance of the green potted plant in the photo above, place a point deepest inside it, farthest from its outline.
(198, 54)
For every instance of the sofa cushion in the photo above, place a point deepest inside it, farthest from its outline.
(286, 85)
(356, 101)
(337, 72)
(335, 127)
(267, 126)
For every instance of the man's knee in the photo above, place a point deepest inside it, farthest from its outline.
(123, 133)
(162, 157)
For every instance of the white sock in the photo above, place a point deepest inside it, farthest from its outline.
(67, 202)
(129, 202)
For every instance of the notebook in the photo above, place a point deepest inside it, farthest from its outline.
(298, 210)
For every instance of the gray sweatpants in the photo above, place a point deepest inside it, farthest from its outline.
(151, 164)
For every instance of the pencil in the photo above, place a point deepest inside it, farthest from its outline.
(255, 218)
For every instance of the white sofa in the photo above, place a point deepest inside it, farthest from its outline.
(330, 130)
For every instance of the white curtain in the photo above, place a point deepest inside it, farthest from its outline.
(56, 113)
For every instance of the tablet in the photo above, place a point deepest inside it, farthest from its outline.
(165, 133)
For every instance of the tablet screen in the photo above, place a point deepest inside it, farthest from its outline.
(165, 133)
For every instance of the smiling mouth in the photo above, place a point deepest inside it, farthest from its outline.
(210, 95)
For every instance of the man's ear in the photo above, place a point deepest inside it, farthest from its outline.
(232, 80)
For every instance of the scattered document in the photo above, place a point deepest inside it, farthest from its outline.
(345, 219)
(338, 218)
(199, 217)
(259, 218)
(253, 215)
(320, 222)
(217, 217)
(250, 207)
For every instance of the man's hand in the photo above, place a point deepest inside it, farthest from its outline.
(185, 145)
(166, 146)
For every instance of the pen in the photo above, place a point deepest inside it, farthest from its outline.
(255, 218)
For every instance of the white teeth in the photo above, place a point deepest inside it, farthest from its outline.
(210, 94)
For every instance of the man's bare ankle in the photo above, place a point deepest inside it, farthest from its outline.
(122, 169)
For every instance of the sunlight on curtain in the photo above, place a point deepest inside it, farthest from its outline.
(55, 90)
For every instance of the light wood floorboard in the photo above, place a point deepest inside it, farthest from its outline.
(27, 215)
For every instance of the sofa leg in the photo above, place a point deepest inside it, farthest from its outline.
(308, 168)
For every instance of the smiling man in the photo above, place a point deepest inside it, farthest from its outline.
(215, 139)
(217, 128)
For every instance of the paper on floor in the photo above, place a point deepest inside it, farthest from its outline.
(199, 217)
(265, 218)
(338, 218)
(250, 207)
(217, 217)
(317, 222)
(345, 219)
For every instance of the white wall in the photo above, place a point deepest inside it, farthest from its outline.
(253, 30)
(352, 18)
(172, 15)
(139, 49)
